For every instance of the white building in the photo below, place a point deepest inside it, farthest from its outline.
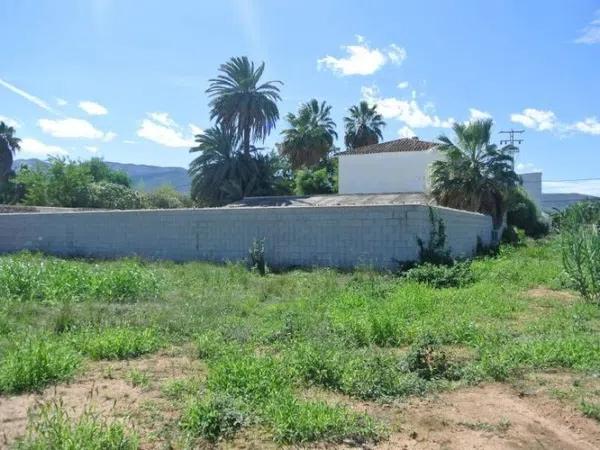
(402, 166)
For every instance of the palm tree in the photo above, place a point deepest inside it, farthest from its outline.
(9, 144)
(239, 102)
(363, 126)
(310, 136)
(222, 173)
(475, 175)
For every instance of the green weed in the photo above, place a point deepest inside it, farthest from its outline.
(117, 343)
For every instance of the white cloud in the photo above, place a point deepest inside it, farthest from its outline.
(195, 129)
(536, 119)
(362, 59)
(526, 168)
(476, 114)
(27, 96)
(407, 111)
(588, 187)
(591, 33)
(109, 136)
(129, 141)
(92, 149)
(590, 125)
(10, 122)
(402, 85)
(406, 132)
(160, 128)
(61, 101)
(73, 128)
(93, 108)
(37, 148)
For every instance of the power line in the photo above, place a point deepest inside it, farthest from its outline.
(511, 137)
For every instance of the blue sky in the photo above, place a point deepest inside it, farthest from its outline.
(125, 79)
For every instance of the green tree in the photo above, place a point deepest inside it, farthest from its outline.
(9, 144)
(240, 102)
(310, 136)
(100, 171)
(363, 126)
(475, 175)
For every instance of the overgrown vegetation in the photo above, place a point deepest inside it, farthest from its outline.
(51, 427)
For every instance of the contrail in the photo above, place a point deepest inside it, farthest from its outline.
(32, 98)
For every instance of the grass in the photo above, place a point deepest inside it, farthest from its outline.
(266, 341)
(51, 427)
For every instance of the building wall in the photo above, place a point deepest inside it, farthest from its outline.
(532, 183)
(385, 172)
(345, 237)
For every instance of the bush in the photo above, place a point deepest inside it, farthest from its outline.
(525, 215)
(35, 364)
(580, 247)
(166, 197)
(51, 428)
(213, 417)
(114, 196)
(313, 181)
(435, 252)
(256, 256)
(117, 343)
(587, 212)
(457, 275)
(426, 359)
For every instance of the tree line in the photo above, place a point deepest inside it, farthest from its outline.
(475, 174)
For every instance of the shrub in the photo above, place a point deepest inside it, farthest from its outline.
(256, 256)
(213, 417)
(36, 363)
(580, 247)
(313, 181)
(117, 343)
(587, 212)
(457, 275)
(525, 215)
(108, 195)
(166, 197)
(426, 359)
(52, 428)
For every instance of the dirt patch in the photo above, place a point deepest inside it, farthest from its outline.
(492, 416)
(107, 389)
(550, 294)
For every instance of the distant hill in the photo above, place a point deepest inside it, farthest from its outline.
(144, 177)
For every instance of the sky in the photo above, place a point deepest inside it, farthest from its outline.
(125, 80)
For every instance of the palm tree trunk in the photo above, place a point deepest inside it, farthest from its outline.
(246, 141)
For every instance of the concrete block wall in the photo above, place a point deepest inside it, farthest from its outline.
(344, 237)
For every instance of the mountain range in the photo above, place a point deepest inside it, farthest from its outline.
(144, 177)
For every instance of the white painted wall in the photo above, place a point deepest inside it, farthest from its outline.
(532, 183)
(377, 173)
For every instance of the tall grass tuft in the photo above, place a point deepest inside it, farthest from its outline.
(51, 428)
(117, 343)
(36, 363)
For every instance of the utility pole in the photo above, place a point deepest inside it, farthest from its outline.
(511, 137)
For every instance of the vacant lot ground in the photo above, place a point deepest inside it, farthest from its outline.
(128, 354)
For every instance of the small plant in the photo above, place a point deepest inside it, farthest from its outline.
(117, 343)
(179, 389)
(591, 410)
(36, 363)
(427, 359)
(50, 427)
(213, 417)
(137, 378)
(580, 245)
(435, 251)
(457, 275)
(256, 256)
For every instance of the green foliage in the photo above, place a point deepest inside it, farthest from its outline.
(256, 257)
(427, 359)
(581, 259)
(166, 197)
(363, 126)
(50, 427)
(456, 275)
(9, 145)
(586, 212)
(474, 175)
(117, 343)
(33, 277)
(35, 363)
(524, 214)
(309, 182)
(101, 172)
(591, 410)
(213, 417)
(435, 251)
(107, 195)
(310, 136)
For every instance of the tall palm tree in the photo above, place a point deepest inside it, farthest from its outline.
(240, 102)
(310, 136)
(222, 173)
(363, 126)
(475, 175)
(9, 144)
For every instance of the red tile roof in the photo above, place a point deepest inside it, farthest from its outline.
(399, 145)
